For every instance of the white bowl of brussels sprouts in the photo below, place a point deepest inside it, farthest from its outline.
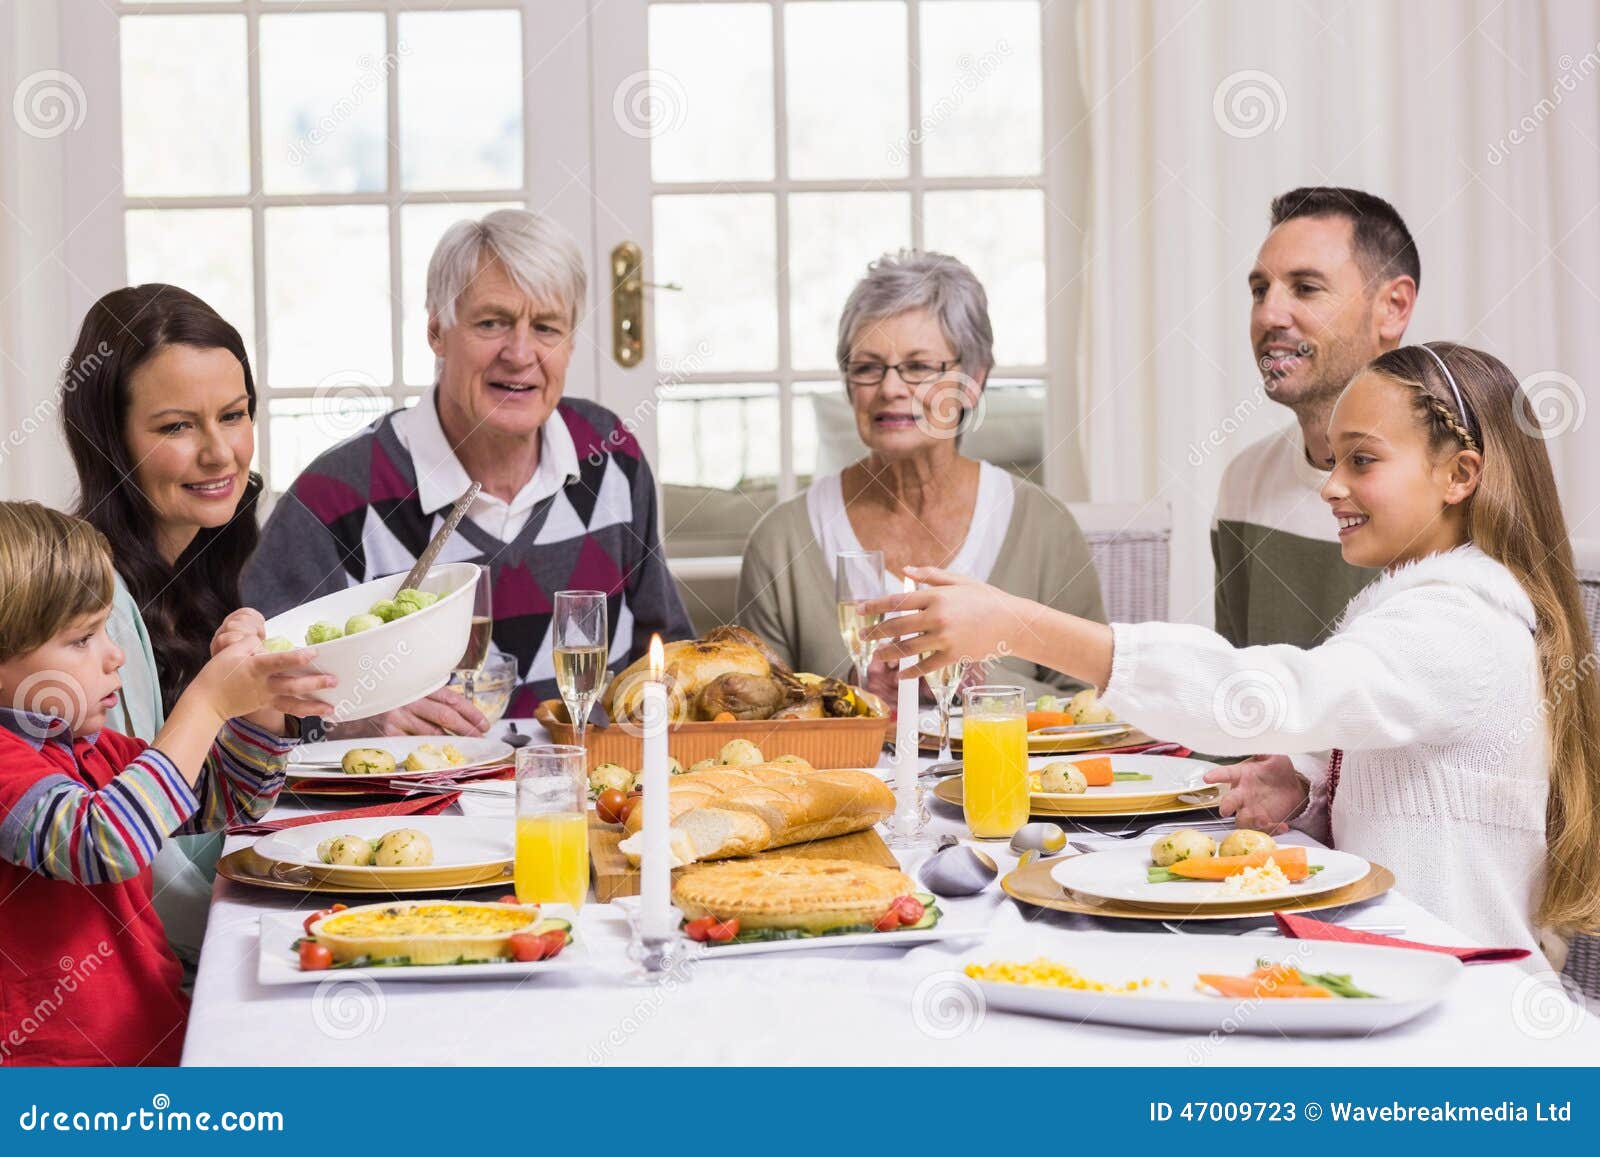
(387, 647)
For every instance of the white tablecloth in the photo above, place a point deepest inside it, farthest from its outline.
(820, 1007)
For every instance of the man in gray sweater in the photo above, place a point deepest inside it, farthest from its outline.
(568, 501)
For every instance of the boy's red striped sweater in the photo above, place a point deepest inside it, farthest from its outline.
(86, 976)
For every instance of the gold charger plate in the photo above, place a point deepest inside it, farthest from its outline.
(246, 867)
(949, 791)
(1034, 885)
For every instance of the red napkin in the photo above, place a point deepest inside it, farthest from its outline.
(426, 806)
(1305, 928)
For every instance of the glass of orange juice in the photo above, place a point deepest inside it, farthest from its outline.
(994, 761)
(552, 848)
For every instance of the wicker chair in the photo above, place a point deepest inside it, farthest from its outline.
(1131, 548)
(1583, 958)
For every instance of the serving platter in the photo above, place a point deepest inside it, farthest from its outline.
(1119, 874)
(322, 760)
(1035, 885)
(1405, 983)
(277, 962)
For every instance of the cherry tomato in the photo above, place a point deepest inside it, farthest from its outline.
(608, 806)
(314, 957)
(526, 946)
(314, 917)
(888, 922)
(509, 899)
(554, 941)
(628, 804)
(910, 909)
(696, 929)
(723, 932)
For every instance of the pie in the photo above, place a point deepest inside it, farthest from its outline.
(427, 931)
(781, 892)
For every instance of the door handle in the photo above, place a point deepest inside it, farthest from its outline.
(627, 304)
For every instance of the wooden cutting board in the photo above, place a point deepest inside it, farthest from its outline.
(614, 876)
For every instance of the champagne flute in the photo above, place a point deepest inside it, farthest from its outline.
(581, 642)
(482, 626)
(944, 683)
(858, 577)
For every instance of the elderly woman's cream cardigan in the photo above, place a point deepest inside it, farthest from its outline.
(1430, 687)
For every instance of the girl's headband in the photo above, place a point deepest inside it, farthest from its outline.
(1461, 406)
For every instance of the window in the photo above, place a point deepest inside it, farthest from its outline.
(295, 167)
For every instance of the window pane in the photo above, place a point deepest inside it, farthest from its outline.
(722, 249)
(461, 100)
(832, 237)
(324, 103)
(173, 141)
(706, 100)
(302, 428)
(327, 294)
(1000, 234)
(721, 436)
(421, 226)
(206, 251)
(845, 65)
(823, 430)
(981, 91)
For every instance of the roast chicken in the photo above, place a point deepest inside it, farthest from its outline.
(732, 670)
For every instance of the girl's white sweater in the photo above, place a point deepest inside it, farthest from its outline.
(1430, 686)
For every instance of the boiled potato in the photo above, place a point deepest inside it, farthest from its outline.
(1245, 842)
(403, 848)
(1181, 845)
(705, 765)
(367, 761)
(609, 776)
(740, 753)
(1085, 708)
(673, 767)
(432, 757)
(346, 851)
(795, 762)
(1062, 777)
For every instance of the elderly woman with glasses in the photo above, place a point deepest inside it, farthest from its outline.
(915, 349)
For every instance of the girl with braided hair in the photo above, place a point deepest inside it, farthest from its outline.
(1459, 695)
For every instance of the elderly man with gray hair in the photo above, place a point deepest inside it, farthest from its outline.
(568, 501)
(915, 350)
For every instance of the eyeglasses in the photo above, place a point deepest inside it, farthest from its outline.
(911, 373)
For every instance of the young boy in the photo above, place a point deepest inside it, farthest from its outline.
(86, 976)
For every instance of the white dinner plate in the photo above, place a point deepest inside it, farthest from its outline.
(1119, 874)
(1078, 736)
(1405, 982)
(321, 760)
(279, 963)
(459, 842)
(1170, 775)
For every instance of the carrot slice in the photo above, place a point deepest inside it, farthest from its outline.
(1255, 988)
(1096, 772)
(1038, 719)
(1292, 860)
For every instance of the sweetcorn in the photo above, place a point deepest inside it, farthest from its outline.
(1044, 973)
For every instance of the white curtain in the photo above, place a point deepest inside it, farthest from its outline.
(1478, 120)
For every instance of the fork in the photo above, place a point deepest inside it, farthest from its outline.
(1376, 929)
(1129, 833)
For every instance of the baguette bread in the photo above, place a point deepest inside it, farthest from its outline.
(738, 811)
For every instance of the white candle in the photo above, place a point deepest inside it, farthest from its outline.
(905, 744)
(655, 884)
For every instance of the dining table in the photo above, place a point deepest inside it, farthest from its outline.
(825, 1006)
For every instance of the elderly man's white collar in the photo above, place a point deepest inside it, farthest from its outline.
(441, 478)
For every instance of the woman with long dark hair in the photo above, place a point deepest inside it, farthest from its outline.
(158, 405)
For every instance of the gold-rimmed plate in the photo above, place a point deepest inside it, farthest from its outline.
(245, 867)
(1089, 805)
(465, 850)
(1083, 737)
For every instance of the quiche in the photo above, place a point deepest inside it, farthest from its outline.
(781, 892)
(428, 931)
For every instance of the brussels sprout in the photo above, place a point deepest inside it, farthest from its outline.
(355, 624)
(277, 643)
(1183, 845)
(347, 851)
(322, 632)
(386, 609)
(1246, 842)
(403, 848)
(740, 753)
(413, 599)
(1047, 703)
(1062, 777)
